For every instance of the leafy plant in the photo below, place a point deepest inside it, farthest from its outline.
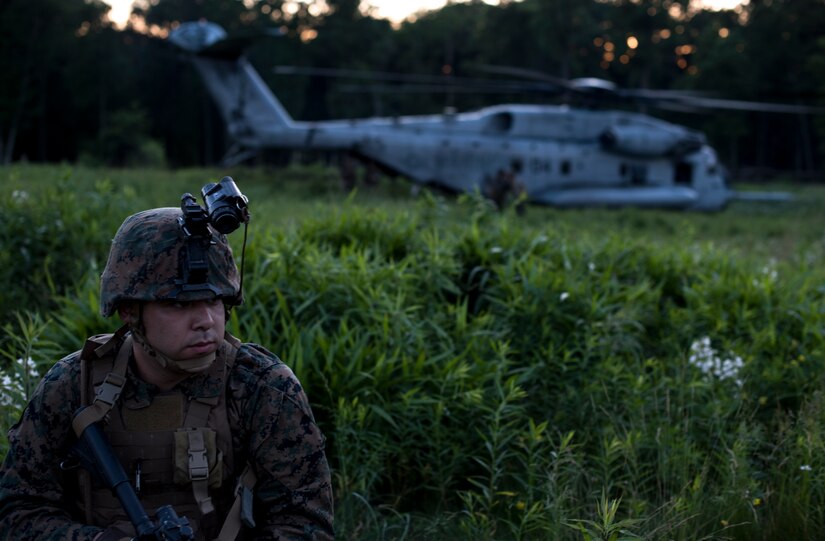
(488, 375)
(27, 355)
(606, 527)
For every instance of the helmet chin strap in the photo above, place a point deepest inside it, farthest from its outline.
(186, 366)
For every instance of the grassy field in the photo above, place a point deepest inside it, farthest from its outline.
(566, 374)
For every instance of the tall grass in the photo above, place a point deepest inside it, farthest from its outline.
(568, 375)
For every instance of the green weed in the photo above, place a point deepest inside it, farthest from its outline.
(484, 375)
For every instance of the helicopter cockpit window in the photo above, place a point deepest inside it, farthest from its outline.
(634, 174)
(638, 175)
(566, 167)
(500, 122)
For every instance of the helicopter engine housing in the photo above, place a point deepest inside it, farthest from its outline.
(642, 141)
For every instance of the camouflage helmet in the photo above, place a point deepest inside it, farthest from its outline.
(146, 263)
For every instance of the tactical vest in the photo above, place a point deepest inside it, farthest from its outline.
(176, 450)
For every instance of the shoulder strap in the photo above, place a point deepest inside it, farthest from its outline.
(96, 347)
(240, 514)
(109, 391)
(234, 345)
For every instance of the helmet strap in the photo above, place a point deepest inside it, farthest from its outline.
(186, 366)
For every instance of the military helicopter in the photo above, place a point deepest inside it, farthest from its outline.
(557, 154)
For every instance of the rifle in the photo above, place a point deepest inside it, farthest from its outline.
(96, 455)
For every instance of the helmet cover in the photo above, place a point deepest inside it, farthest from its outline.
(146, 258)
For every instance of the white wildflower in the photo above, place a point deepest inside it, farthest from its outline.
(805, 467)
(13, 389)
(496, 250)
(769, 275)
(706, 359)
(564, 296)
(30, 366)
(591, 266)
(769, 271)
(9, 386)
(19, 196)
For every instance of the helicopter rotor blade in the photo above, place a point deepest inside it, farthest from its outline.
(432, 88)
(675, 100)
(417, 83)
(591, 89)
(523, 73)
(357, 74)
(741, 105)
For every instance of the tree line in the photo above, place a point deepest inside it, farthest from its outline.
(76, 88)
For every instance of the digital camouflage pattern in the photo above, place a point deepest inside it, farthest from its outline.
(145, 263)
(272, 428)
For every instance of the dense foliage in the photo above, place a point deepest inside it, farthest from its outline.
(76, 88)
(480, 375)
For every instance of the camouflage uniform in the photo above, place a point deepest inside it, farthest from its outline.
(271, 423)
(503, 185)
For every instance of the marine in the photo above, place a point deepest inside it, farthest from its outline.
(197, 418)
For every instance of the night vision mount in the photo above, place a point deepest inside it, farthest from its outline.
(226, 209)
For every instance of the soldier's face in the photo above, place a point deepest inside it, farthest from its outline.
(185, 330)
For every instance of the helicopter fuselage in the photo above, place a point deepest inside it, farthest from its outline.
(565, 156)
(561, 156)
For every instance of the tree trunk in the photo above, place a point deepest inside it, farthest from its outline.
(8, 153)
